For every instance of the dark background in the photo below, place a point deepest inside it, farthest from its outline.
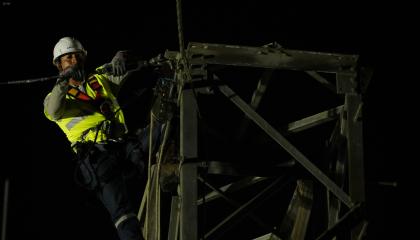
(45, 203)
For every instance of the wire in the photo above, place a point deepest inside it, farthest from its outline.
(33, 80)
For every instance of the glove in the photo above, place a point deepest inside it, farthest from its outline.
(72, 72)
(118, 63)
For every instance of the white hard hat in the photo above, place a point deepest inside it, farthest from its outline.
(67, 45)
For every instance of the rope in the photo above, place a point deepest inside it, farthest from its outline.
(180, 27)
(157, 186)
(29, 80)
(178, 72)
(149, 172)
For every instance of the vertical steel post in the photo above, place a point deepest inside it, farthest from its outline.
(5, 208)
(188, 171)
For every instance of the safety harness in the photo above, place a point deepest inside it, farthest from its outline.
(90, 178)
(94, 84)
(99, 101)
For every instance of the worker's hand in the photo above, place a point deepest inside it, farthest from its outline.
(118, 63)
(72, 72)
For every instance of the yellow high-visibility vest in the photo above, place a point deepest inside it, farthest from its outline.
(83, 120)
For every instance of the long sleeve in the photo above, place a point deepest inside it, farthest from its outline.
(54, 102)
(117, 81)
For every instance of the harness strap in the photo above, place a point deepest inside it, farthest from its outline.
(94, 84)
(76, 93)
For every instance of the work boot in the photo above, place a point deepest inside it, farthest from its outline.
(169, 169)
(169, 177)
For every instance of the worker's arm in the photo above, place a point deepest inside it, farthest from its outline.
(121, 67)
(54, 102)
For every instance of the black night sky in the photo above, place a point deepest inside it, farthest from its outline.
(44, 201)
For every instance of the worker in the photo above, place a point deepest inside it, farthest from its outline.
(86, 109)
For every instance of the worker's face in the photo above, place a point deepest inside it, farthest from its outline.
(72, 59)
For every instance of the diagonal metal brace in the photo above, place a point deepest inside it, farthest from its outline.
(292, 150)
(350, 219)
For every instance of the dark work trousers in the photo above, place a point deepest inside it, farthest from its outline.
(102, 169)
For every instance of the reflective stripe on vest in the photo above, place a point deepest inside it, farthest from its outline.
(73, 122)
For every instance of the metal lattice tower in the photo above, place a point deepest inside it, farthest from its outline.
(341, 184)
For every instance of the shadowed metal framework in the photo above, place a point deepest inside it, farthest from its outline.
(336, 185)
